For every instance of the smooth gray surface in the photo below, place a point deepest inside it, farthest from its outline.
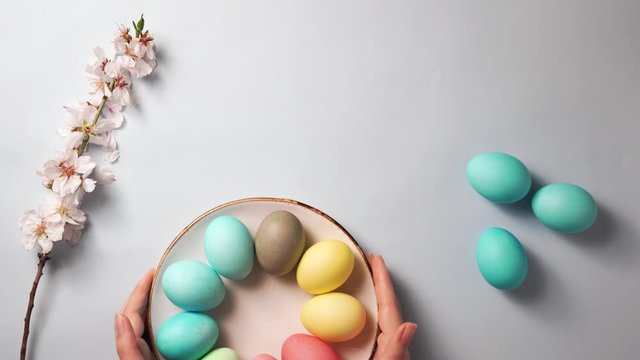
(367, 110)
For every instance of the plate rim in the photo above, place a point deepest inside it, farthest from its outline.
(149, 328)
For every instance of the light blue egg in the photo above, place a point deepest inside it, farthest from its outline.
(187, 336)
(565, 207)
(499, 177)
(193, 285)
(501, 259)
(229, 247)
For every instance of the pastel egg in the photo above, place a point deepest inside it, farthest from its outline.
(499, 177)
(565, 207)
(333, 317)
(193, 285)
(221, 354)
(325, 266)
(501, 259)
(279, 242)
(186, 336)
(229, 247)
(307, 347)
(264, 357)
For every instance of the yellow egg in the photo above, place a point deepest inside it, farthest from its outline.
(325, 266)
(333, 317)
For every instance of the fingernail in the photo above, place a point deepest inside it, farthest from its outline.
(407, 333)
(118, 324)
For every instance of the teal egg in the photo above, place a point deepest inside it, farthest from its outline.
(565, 207)
(229, 247)
(192, 285)
(221, 354)
(501, 258)
(499, 177)
(187, 336)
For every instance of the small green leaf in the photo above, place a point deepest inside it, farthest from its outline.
(135, 27)
(141, 23)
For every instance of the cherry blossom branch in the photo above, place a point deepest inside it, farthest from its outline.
(32, 295)
(73, 174)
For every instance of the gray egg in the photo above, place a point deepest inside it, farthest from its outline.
(279, 242)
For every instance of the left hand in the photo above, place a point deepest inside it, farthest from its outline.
(129, 323)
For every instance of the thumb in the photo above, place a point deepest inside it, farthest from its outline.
(126, 341)
(398, 345)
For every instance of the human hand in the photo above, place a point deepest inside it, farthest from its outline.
(129, 323)
(396, 335)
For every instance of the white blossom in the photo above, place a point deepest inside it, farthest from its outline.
(120, 92)
(99, 85)
(81, 125)
(147, 41)
(133, 57)
(122, 37)
(69, 172)
(63, 209)
(38, 226)
(102, 64)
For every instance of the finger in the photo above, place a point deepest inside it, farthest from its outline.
(382, 344)
(398, 346)
(389, 316)
(145, 350)
(126, 340)
(135, 306)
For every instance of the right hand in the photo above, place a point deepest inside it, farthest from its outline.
(396, 335)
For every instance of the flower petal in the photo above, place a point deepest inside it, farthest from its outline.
(88, 185)
(85, 165)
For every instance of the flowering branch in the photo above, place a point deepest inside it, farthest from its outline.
(72, 174)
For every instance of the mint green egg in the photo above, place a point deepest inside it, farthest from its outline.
(187, 336)
(221, 354)
(192, 285)
(499, 177)
(565, 207)
(228, 246)
(501, 259)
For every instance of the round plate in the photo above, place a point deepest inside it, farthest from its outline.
(262, 310)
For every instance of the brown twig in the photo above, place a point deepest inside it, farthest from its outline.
(27, 319)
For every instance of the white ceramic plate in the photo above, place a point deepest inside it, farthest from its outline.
(261, 311)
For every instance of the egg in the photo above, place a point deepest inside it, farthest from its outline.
(264, 357)
(333, 317)
(186, 336)
(279, 242)
(499, 177)
(325, 266)
(501, 259)
(307, 347)
(193, 285)
(221, 354)
(229, 247)
(565, 207)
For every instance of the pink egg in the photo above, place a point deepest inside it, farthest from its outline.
(307, 347)
(264, 357)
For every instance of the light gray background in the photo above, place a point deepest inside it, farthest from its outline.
(368, 110)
